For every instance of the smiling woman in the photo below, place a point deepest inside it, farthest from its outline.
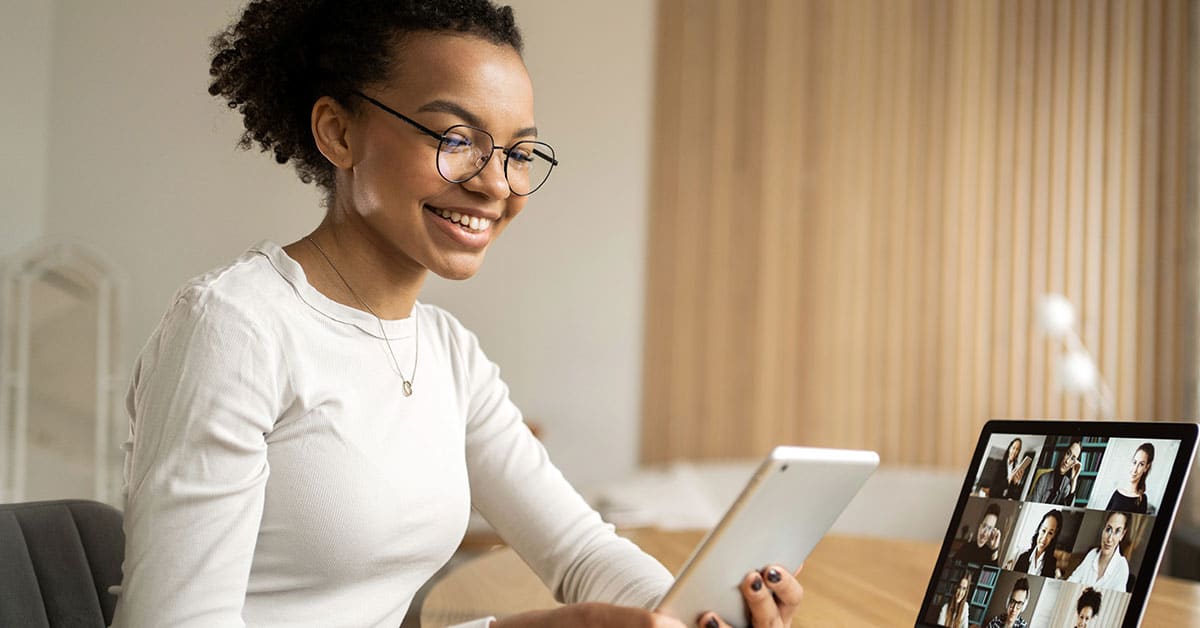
(307, 438)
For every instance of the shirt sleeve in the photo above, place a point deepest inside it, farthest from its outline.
(203, 398)
(533, 507)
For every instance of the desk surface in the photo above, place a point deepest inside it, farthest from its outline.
(838, 577)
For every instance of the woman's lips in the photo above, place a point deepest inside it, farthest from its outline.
(475, 234)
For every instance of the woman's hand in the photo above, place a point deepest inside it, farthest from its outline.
(772, 596)
(590, 615)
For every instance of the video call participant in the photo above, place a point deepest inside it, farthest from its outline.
(1131, 497)
(1039, 558)
(954, 612)
(985, 549)
(1006, 483)
(1104, 567)
(1057, 486)
(1087, 607)
(1017, 599)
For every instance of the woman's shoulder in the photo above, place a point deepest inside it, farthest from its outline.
(444, 324)
(246, 287)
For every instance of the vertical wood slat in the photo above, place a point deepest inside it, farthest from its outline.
(858, 203)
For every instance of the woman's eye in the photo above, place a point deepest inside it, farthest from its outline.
(454, 142)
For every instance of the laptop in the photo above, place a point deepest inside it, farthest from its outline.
(1059, 524)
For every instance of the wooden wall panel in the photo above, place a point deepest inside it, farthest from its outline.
(857, 204)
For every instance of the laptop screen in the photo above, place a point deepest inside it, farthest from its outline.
(1059, 524)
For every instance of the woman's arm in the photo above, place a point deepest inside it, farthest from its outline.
(533, 507)
(201, 401)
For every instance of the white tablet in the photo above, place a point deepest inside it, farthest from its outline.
(787, 506)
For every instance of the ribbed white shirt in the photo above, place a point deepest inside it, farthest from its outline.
(277, 476)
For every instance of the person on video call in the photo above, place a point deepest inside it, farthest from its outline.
(1086, 608)
(1057, 486)
(1007, 481)
(307, 439)
(954, 612)
(985, 549)
(1039, 558)
(1017, 599)
(1105, 567)
(1131, 496)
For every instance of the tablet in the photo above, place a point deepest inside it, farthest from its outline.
(1076, 536)
(787, 506)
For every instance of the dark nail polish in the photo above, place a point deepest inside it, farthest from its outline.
(773, 575)
(712, 623)
(757, 584)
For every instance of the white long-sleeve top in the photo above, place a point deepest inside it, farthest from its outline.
(276, 475)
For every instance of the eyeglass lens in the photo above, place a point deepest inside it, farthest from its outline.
(464, 151)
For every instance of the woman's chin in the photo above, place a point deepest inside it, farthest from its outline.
(458, 270)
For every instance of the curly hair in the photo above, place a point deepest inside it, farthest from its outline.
(280, 56)
(1089, 598)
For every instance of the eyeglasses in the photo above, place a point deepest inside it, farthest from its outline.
(464, 151)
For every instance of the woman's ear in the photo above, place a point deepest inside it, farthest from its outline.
(331, 130)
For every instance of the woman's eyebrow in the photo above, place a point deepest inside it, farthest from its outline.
(446, 106)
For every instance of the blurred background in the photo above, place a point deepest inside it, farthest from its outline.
(822, 222)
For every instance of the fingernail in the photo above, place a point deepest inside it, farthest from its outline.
(757, 584)
(773, 575)
(712, 623)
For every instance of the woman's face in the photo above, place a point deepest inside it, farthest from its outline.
(1046, 533)
(960, 593)
(1113, 533)
(1141, 464)
(1084, 617)
(393, 188)
(1014, 450)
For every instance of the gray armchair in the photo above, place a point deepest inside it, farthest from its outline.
(57, 561)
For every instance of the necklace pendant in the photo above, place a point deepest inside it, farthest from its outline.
(407, 389)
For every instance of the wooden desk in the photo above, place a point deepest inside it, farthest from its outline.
(847, 582)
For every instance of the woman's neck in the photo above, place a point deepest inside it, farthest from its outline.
(1102, 563)
(349, 264)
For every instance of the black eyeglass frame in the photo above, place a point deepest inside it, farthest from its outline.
(441, 138)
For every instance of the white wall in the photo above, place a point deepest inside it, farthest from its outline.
(143, 167)
(25, 57)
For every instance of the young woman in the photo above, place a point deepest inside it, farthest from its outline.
(1104, 567)
(1007, 481)
(1039, 558)
(307, 438)
(1131, 496)
(955, 612)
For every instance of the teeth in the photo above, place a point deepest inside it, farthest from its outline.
(474, 223)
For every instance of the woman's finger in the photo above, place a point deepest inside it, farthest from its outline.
(760, 601)
(786, 589)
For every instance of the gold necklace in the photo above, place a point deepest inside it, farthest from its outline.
(408, 381)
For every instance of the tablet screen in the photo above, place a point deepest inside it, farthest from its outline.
(1060, 524)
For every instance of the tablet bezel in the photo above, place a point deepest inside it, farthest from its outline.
(723, 598)
(1185, 433)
